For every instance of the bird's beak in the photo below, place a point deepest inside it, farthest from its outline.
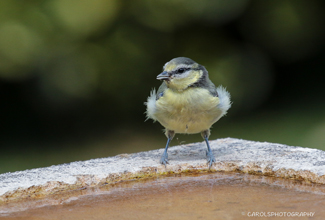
(163, 76)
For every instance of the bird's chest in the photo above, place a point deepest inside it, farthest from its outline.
(188, 111)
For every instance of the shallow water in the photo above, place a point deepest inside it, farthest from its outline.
(190, 196)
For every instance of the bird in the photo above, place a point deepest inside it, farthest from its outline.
(187, 102)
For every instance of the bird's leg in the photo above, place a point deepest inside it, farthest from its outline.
(211, 159)
(164, 158)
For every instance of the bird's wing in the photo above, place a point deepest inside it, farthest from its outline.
(161, 90)
(206, 83)
(211, 87)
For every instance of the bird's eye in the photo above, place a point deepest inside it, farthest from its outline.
(181, 70)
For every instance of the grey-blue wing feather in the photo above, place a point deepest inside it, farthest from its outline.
(212, 88)
(206, 83)
(161, 90)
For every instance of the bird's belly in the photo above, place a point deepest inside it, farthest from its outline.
(188, 112)
(187, 125)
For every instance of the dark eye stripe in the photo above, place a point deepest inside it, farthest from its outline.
(181, 70)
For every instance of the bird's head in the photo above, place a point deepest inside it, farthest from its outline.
(181, 72)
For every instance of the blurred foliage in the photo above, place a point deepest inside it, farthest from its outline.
(75, 71)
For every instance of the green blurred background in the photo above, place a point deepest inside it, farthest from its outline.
(74, 74)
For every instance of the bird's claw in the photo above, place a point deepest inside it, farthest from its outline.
(164, 159)
(211, 158)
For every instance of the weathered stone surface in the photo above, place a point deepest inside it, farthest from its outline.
(231, 155)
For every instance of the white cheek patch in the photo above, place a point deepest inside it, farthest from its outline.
(183, 75)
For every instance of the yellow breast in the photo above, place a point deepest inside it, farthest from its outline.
(190, 111)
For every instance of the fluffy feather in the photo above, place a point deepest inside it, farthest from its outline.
(151, 105)
(224, 100)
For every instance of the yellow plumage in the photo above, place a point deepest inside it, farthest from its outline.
(190, 111)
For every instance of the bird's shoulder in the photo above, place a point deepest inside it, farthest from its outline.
(206, 83)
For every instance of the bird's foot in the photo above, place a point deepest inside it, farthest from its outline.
(211, 158)
(164, 159)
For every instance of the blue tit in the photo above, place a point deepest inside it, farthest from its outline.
(187, 102)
